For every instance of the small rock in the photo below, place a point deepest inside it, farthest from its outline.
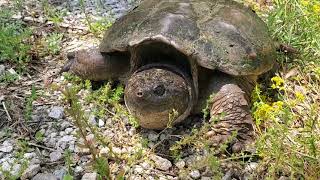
(6, 147)
(44, 176)
(116, 150)
(153, 136)
(12, 71)
(180, 164)
(56, 112)
(162, 178)
(92, 119)
(34, 161)
(29, 155)
(78, 170)
(60, 173)
(30, 171)
(100, 123)
(163, 137)
(55, 156)
(151, 144)
(16, 169)
(52, 135)
(90, 137)
(161, 163)
(132, 131)
(68, 130)
(138, 169)
(62, 133)
(145, 165)
(89, 176)
(205, 178)
(150, 178)
(105, 151)
(283, 178)
(6, 166)
(251, 167)
(64, 125)
(228, 175)
(64, 141)
(195, 174)
(2, 69)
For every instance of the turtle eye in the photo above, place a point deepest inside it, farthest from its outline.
(159, 90)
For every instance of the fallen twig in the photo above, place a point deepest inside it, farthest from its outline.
(40, 146)
(5, 109)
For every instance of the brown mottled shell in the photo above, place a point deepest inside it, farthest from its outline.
(216, 34)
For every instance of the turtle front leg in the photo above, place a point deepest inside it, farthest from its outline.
(93, 65)
(231, 111)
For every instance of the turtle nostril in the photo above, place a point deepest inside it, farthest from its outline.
(159, 90)
(139, 94)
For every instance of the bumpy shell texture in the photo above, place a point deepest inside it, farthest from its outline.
(218, 34)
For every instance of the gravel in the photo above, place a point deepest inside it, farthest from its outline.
(161, 163)
(56, 112)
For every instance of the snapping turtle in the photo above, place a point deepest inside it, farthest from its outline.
(173, 54)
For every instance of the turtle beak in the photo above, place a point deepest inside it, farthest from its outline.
(71, 58)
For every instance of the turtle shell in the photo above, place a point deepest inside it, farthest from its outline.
(215, 34)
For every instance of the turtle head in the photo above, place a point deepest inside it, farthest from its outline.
(159, 96)
(93, 65)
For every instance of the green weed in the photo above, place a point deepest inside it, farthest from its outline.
(53, 14)
(14, 37)
(8, 78)
(81, 121)
(52, 43)
(287, 122)
(29, 102)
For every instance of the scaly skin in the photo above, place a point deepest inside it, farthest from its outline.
(231, 105)
(91, 64)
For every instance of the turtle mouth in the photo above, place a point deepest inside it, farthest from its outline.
(153, 92)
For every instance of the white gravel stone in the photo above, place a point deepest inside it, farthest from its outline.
(78, 170)
(138, 169)
(6, 147)
(195, 174)
(228, 175)
(205, 178)
(153, 136)
(101, 123)
(89, 176)
(30, 171)
(68, 130)
(163, 137)
(60, 173)
(145, 165)
(56, 112)
(161, 163)
(34, 161)
(65, 125)
(104, 151)
(92, 119)
(16, 169)
(6, 166)
(116, 150)
(55, 156)
(44, 176)
(251, 167)
(181, 164)
(29, 155)
(2, 69)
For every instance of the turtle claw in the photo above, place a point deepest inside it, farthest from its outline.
(234, 144)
